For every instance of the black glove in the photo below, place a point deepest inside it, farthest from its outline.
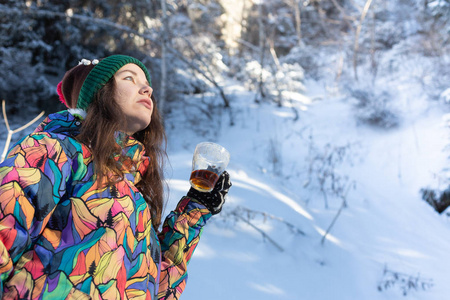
(215, 199)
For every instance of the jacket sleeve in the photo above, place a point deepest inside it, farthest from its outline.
(32, 181)
(179, 238)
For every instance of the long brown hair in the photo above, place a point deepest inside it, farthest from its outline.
(104, 118)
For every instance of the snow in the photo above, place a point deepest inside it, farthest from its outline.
(267, 243)
(386, 227)
(386, 234)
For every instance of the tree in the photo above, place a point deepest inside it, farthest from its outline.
(298, 19)
(109, 219)
(163, 56)
(92, 268)
(48, 41)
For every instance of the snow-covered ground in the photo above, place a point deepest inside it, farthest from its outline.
(385, 242)
(267, 242)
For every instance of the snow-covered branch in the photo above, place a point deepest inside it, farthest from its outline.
(41, 13)
(11, 132)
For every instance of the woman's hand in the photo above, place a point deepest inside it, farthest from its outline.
(215, 199)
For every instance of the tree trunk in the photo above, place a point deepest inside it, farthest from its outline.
(298, 20)
(358, 31)
(162, 96)
(261, 37)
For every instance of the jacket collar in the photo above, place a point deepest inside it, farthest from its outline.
(132, 160)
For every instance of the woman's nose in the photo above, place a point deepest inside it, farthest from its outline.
(146, 89)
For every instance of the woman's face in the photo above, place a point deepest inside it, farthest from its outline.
(133, 94)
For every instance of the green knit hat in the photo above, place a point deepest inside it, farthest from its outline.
(103, 71)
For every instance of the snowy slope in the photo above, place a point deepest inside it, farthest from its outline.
(385, 226)
(266, 244)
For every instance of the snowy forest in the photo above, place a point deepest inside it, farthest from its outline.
(336, 114)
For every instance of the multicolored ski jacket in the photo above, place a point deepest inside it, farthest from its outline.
(64, 235)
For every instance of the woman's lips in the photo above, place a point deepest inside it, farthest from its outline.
(147, 103)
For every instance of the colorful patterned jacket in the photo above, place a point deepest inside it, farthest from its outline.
(64, 235)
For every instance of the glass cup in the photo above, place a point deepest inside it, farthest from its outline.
(209, 161)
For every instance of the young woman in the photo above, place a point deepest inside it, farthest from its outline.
(81, 197)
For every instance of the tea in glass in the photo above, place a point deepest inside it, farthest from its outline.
(209, 161)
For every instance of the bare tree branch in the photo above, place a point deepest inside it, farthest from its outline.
(342, 11)
(11, 132)
(206, 66)
(343, 205)
(358, 31)
(124, 28)
(260, 231)
(266, 215)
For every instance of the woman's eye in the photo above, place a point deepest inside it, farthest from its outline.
(129, 78)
